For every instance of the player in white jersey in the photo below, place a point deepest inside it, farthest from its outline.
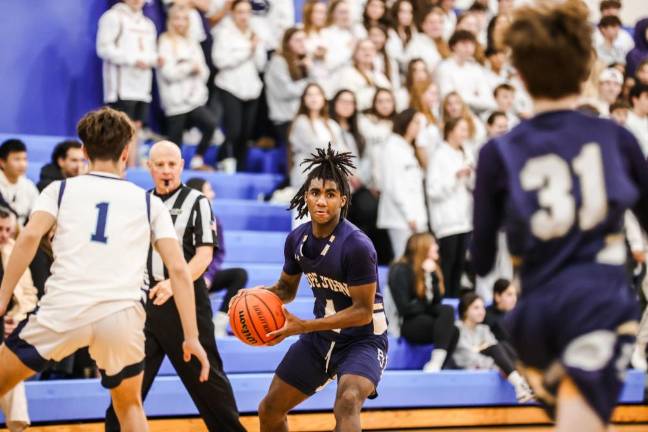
(103, 228)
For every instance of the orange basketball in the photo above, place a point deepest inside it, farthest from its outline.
(255, 313)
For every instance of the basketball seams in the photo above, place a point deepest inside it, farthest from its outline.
(235, 328)
(268, 308)
(252, 322)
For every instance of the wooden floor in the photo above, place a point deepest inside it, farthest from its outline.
(527, 419)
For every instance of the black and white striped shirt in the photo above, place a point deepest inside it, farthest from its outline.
(194, 223)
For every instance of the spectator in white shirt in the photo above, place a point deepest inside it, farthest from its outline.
(270, 19)
(361, 78)
(429, 45)
(383, 62)
(454, 107)
(402, 30)
(496, 69)
(375, 13)
(286, 78)
(195, 9)
(239, 55)
(497, 124)
(504, 95)
(16, 189)
(417, 72)
(425, 99)
(610, 83)
(619, 112)
(461, 73)
(338, 36)
(469, 21)
(450, 20)
(311, 129)
(314, 17)
(126, 42)
(182, 82)
(376, 126)
(637, 120)
(450, 179)
(401, 210)
(608, 48)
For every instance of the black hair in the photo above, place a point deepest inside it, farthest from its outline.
(461, 36)
(635, 92)
(5, 213)
(402, 121)
(354, 128)
(610, 21)
(61, 149)
(12, 146)
(500, 286)
(493, 116)
(325, 164)
(465, 302)
(196, 183)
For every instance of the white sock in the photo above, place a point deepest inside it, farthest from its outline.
(515, 378)
(220, 324)
(436, 360)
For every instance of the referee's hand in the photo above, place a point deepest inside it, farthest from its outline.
(192, 347)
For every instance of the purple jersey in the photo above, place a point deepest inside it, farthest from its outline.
(333, 266)
(559, 185)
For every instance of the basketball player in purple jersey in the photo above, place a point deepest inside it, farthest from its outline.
(347, 340)
(559, 185)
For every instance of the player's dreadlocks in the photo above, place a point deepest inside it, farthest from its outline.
(325, 164)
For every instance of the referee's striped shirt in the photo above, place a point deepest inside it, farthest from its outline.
(194, 223)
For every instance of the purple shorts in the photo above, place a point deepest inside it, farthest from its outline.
(314, 360)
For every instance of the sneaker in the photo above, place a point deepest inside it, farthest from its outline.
(196, 162)
(523, 392)
(430, 367)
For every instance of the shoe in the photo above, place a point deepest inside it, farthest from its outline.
(638, 359)
(523, 392)
(196, 162)
(430, 367)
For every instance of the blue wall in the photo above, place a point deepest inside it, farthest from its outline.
(50, 74)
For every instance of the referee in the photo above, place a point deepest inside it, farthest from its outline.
(192, 216)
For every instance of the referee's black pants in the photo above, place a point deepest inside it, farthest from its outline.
(213, 398)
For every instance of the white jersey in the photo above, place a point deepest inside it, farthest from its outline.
(104, 227)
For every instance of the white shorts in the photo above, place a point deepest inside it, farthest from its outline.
(115, 342)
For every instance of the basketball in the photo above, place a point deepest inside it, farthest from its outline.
(255, 313)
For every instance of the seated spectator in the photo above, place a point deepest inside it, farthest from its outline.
(402, 30)
(374, 14)
(608, 50)
(416, 285)
(216, 277)
(462, 74)
(450, 180)
(496, 67)
(67, 161)
(497, 124)
(14, 403)
(429, 45)
(126, 42)
(504, 300)
(637, 121)
(312, 128)
(383, 61)
(619, 112)
(182, 82)
(454, 107)
(314, 16)
(286, 78)
(640, 50)
(425, 99)
(239, 55)
(469, 21)
(641, 74)
(361, 77)
(478, 348)
(416, 73)
(401, 210)
(449, 18)
(622, 41)
(16, 189)
(609, 89)
(337, 37)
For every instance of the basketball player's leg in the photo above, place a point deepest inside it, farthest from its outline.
(12, 371)
(573, 412)
(127, 402)
(352, 391)
(274, 408)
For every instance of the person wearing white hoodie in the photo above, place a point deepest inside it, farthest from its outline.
(401, 209)
(126, 42)
(450, 178)
(337, 38)
(182, 82)
(16, 189)
(239, 55)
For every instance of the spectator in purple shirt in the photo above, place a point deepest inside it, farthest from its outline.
(216, 277)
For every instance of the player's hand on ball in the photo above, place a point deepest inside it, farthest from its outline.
(240, 293)
(161, 292)
(192, 347)
(292, 326)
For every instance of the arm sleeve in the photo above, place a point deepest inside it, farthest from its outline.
(638, 171)
(489, 197)
(291, 266)
(161, 224)
(47, 201)
(108, 34)
(172, 69)
(441, 183)
(400, 281)
(204, 227)
(359, 260)
(279, 84)
(225, 55)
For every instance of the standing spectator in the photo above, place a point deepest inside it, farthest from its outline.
(402, 30)
(286, 78)
(429, 45)
(67, 161)
(425, 99)
(449, 186)
(623, 41)
(609, 89)
(344, 111)
(619, 112)
(126, 42)
(361, 78)
(461, 73)
(16, 189)
(453, 107)
(270, 19)
(383, 61)
(374, 14)
(416, 285)
(504, 95)
(401, 210)
(217, 278)
(239, 55)
(497, 124)
(14, 403)
(314, 16)
(607, 48)
(450, 17)
(640, 50)
(637, 120)
(416, 73)
(478, 348)
(182, 82)
(338, 37)
(311, 129)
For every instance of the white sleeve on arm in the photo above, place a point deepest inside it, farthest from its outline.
(47, 201)
(107, 35)
(161, 224)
